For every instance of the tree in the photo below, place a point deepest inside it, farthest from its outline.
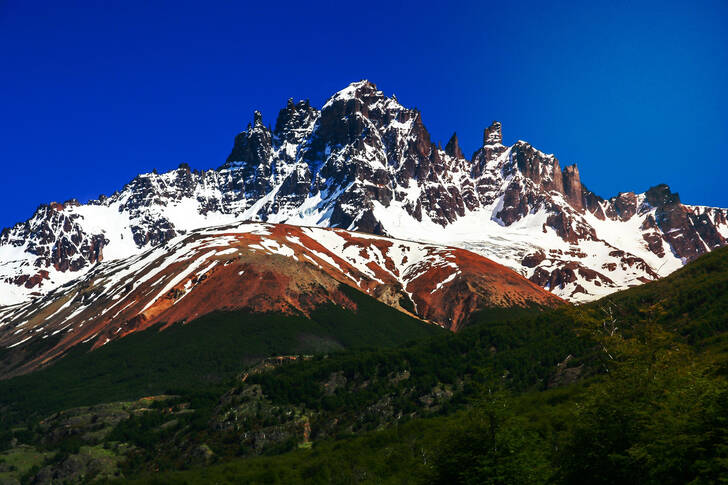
(660, 417)
(491, 446)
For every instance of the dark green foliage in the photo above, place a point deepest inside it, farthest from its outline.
(491, 445)
(205, 353)
(693, 301)
(140, 430)
(527, 349)
(643, 399)
(660, 418)
(655, 409)
(397, 455)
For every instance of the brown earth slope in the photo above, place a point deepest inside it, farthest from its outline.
(260, 268)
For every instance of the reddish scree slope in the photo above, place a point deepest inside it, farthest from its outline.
(264, 267)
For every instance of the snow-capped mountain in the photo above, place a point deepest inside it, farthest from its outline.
(257, 267)
(364, 162)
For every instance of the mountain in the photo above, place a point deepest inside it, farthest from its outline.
(628, 389)
(364, 162)
(258, 268)
(636, 398)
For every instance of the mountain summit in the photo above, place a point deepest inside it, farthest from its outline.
(364, 162)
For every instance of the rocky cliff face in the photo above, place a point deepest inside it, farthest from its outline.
(365, 162)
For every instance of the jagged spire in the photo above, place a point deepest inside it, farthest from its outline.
(257, 118)
(453, 147)
(572, 186)
(492, 135)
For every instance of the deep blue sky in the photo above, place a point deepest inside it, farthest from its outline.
(92, 94)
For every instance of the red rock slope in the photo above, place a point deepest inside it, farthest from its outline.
(263, 267)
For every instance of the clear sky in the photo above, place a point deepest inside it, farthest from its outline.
(93, 93)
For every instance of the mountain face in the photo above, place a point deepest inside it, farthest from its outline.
(364, 162)
(260, 268)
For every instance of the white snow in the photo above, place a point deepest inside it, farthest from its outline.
(445, 281)
(217, 202)
(179, 277)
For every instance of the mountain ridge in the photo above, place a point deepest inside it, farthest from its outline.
(365, 162)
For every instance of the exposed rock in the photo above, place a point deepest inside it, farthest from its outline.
(572, 187)
(534, 259)
(565, 373)
(453, 147)
(492, 135)
(364, 162)
(624, 206)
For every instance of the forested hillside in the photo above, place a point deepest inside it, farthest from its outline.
(628, 389)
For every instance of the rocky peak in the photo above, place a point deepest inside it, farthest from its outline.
(623, 206)
(343, 117)
(492, 135)
(572, 186)
(360, 93)
(453, 147)
(252, 145)
(293, 121)
(257, 119)
(660, 196)
(363, 88)
(542, 169)
(689, 234)
(367, 163)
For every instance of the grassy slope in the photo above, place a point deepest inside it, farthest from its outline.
(202, 354)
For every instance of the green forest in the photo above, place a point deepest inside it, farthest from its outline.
(631, 388)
